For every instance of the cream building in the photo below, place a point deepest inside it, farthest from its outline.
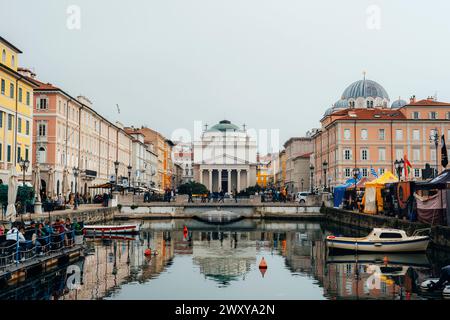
(225, 158)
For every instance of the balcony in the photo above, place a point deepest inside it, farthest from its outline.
(88, 174)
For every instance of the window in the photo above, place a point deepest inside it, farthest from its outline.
(1, 119)
(448, 115)
(42, 104)
(364, 134)
(399, 154)
(27, 154)
(11, 90)
(381, 134)
(28, 98)
(381, 154)
(416, 154)
(19, 153)
(364, 172)
(347, 154)
(9, 121)
(19, 125)
(346, 134)
(20, 95)
(416, 115)
(364, 154)
(13, 61)
(42, 129)
(417, 173)
(347, 172)
(381, 171)
(41, 155)
(3, 86)
(433, 115)
(398, 134)
(27, 128)
(433, 154)
(1, 151)
(8, 153)
(416, 134)
(390, 235)
(4, 56)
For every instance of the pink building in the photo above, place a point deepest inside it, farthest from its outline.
(361, 131)
(68, 133)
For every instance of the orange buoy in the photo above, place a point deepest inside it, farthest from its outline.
(148, 252)
(263, 264)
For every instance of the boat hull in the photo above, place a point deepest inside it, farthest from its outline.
(120, 229)
(416, 245)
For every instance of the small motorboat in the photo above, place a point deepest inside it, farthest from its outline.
(108, 229)
(445, 291)
(381, 240)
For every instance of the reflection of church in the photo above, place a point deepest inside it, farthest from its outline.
(225, 158)
(224, 256)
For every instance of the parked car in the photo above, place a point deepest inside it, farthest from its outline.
(301, 196)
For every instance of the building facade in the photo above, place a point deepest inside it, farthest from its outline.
(225, 158)
(68, 133)
(16, 112)
(372, 135)
(297, 148)
(183, 156)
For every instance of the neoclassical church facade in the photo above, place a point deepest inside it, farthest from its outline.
(225, 158)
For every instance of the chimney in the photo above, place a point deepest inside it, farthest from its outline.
(412, 99)
(26, 72)
(430, 98)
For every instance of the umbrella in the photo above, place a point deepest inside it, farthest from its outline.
(37, 183)
(51, 177)
(12, 195)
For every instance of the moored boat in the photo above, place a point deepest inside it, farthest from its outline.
(107, 229)
(381, 240)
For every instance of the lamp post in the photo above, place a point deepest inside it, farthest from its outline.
(76, 172)
(24, 164)
(325, 167)
(434, 137)
(129, 176)
(116, 168)
(311, 171)
(399, 167)
(302, 181)
(355, 176)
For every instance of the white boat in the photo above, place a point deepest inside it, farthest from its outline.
(444, 291)
(108, 229)
(381, 240)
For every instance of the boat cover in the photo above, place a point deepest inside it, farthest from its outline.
(432, 209)
(372, 196)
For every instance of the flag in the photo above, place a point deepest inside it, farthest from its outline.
(408, 166)
(373, 172)
(444, 155)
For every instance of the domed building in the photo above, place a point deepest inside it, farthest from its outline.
(361, 94)
(225, 158)
(398, 103)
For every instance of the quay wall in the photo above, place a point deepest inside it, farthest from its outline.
(88, 215)
(440, 235)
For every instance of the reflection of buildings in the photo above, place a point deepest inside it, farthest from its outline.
(223, 256)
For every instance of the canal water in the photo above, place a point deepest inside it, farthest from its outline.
(221, 262)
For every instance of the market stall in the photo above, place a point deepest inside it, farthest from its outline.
(373, 200)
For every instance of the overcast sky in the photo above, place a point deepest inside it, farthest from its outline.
(271, 64)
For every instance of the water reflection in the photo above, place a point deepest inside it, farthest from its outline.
(193, 260)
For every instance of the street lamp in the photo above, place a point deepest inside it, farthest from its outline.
(399, 167)
(355, 176)
(129, 176)
(302, 181)
(325, 167)
(434, 137)
(76, 172)
(24, 164)
(116, 168)
(311, 171)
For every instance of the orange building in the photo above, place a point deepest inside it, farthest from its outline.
(361, 131)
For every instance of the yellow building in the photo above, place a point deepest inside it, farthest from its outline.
(16, 111)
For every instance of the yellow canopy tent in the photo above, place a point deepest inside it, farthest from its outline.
(372, 200)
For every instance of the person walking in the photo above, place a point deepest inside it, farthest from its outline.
(221, 196)
(235, 195)
(190, 196)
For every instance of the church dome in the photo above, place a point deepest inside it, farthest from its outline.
(398, 104)
(223, 126)
(363, 89)
(328, 112)
(341, 104)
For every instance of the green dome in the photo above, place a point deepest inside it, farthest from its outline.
(224, 125)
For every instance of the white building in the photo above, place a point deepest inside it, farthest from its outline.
(225, 158)
(184, 157)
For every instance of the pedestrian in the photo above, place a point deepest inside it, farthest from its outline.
(221, 196)
(235, 195)
(209, 196)
(190, 195)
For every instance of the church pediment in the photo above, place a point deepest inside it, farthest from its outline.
(225, 159)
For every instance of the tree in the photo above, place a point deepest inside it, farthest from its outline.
(195, 187)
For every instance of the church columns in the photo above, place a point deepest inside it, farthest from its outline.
(247, 178)
(238, 180)
(219, 185)
(229, 181)
(210, 180)
(201, 176)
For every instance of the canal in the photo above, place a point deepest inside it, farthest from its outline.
(221, 262)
